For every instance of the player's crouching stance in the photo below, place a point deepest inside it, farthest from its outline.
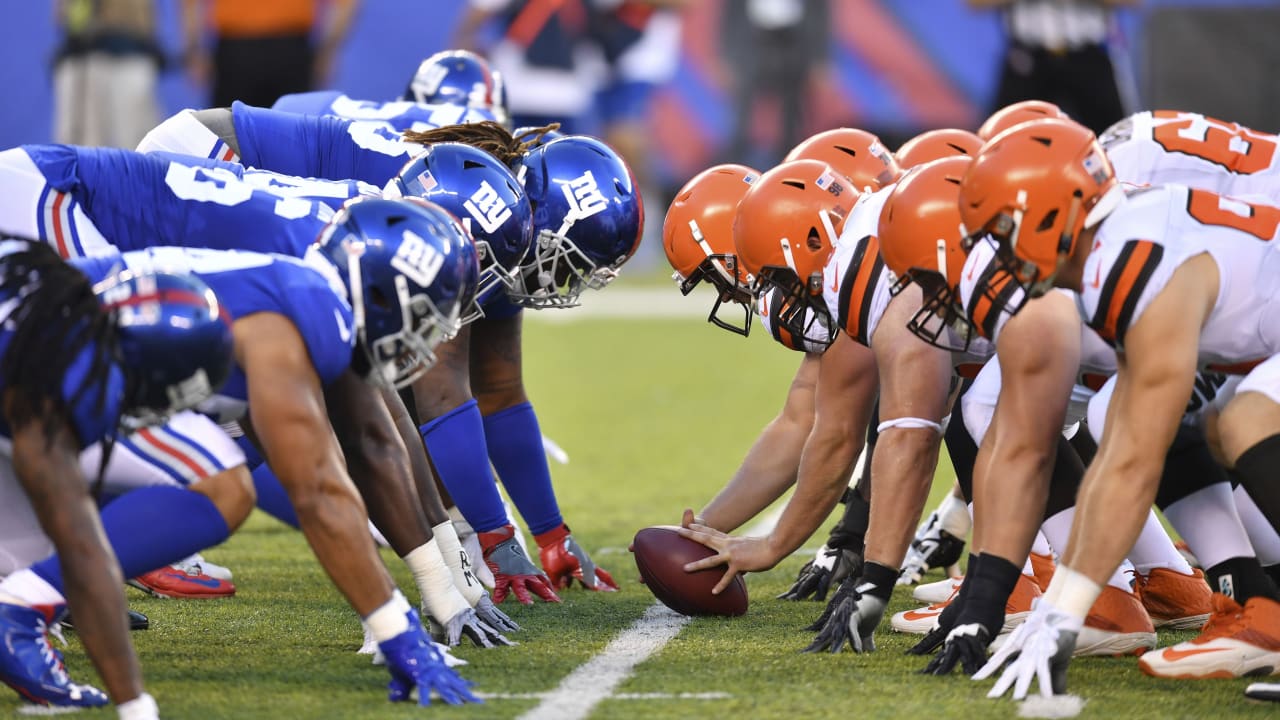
(75, 363)
(1177, 279)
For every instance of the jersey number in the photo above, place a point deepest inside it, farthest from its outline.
(223, 187)
(1260, 221)
(1238, 149)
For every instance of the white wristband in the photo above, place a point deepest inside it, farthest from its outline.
(446, 536)
(910, 423)
(142, 707)
(1071, 592)
(435, 582)
(389, 620)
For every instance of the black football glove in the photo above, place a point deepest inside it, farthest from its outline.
(829, 567)
(966, 645)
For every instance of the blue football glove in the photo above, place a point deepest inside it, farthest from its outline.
(416, 666)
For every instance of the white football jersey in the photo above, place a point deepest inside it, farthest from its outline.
(1164, 146)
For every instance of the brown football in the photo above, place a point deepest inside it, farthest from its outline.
(661, 555)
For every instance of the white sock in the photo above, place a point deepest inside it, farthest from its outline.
(389, 620)
(1153, 549)
(1040, 545)
(1122, 578)
(1057, 530)
(435, 582)
(446, 537)
(953, 516)
(1026, 567)
(28, 589)
(1261, 535)
(1208, 521)
(142, 707)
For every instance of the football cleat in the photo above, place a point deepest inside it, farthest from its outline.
(176, 583)
(1042, 566)
(1174, 600)
(1263, 691)
(137, 621)
(932, 548)
(201, 566)
(1236, 642)
(30, 665)
(937, 592)
(1117, 624)
(1016, 609)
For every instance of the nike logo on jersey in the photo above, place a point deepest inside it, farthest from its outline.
(344, 332)
(835, 284)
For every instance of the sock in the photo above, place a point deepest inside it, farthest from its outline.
(989, 591)
(272, 497)
(515, 448)
(1241, 578)
(456, 443)
(1256, 471)
(151, 527)
(956, 606)
(878, 581)
(1122, 578)
(1040, 545)
(1208, 521)
(1153, 549)
(1273, 571)
(850, 533)
(1027, 568)
(1262, 537)
(1057, 529)
(953, 516)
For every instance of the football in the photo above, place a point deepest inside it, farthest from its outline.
(661, 555)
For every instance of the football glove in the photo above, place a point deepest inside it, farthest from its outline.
(830, 566)
(416, 666)
(493, 617)
(564, 560)
(852, 621)
(513, 571)
(932, 547)
(966, 645)
(1042, 645)
(466, 623)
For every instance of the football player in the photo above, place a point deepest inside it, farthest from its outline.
(1167, 274)
(79, 358)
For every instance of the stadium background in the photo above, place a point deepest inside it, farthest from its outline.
(899, 66)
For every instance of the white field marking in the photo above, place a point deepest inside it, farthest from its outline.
(594, 681)
(634, 303)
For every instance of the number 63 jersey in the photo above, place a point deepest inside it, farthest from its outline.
(1139, 246)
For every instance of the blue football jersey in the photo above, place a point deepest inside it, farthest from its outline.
(399, 114)
(331, 193)
(138, 201)
(307, 291)
(90, 422)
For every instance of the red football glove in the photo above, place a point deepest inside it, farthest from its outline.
(512, 569)
(564, 560)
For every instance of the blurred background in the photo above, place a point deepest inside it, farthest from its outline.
(675, 85)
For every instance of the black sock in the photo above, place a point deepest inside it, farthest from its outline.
(881, 580)
(1274, 572)
(989, 591)
(849, 533)
(1241, 578)
(952, 611)
(1256, 469)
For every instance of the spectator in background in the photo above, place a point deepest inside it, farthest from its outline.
(105, 72)
(1058, 51)
(263, 49)
(541, 54)
(773, 48)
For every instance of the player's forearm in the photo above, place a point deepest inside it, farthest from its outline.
(419, 466)
(768, 469)
(822, 479)
(902, 472)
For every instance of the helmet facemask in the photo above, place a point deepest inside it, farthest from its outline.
(557, 272)
(799, 307)
(941, 320)
(721, 270)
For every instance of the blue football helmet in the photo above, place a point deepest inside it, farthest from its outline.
(587, 215)
(173, 338)
(410, 270)
(476, 187)
(545, 138)
(459, 77)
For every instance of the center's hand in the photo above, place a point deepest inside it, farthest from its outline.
(741, 554)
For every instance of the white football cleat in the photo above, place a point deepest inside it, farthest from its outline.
(1236, 642)
(937, 592)
(198, 565)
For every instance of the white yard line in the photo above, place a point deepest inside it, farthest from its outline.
(639, 303)
(594, 681)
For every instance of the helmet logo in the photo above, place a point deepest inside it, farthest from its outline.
(417, 260)
(487, 207)
(584, 197)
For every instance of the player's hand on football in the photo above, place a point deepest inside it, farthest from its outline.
(741, 554)
(1038, 650)
(416, 667)
(493, 617)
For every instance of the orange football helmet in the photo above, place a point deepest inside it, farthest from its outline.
(920, 242)
(856, 154)
(1033, 189)
(785, 231)
(935, 145)
(698, 238)
(1016, 114)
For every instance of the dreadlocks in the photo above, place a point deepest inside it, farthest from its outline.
(56, 316)
(488, 136)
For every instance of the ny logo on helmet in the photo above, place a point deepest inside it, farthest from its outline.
(487, 208)
(584, 196)
(417, 260)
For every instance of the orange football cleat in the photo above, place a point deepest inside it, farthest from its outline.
(1236, 642)
(1117, 624)
(1174, 600)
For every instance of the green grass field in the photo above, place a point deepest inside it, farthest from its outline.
(655, 415)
